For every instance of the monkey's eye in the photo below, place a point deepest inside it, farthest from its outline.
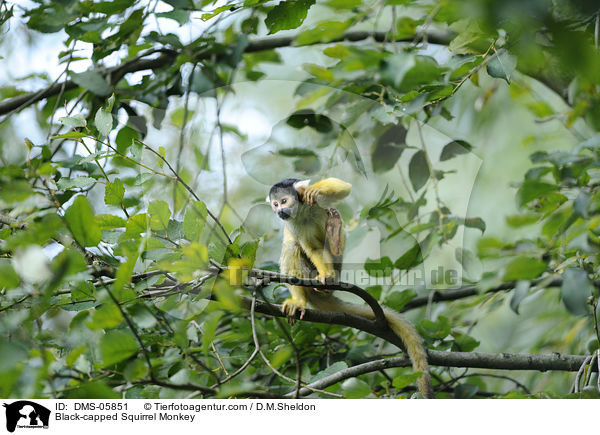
(275, 204)
(283, 201)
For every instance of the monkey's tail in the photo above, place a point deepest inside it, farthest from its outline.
(401, 327)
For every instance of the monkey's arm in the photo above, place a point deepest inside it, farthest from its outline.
(326, 192)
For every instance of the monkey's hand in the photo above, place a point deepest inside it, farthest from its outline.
(290, 306)
(311, 195)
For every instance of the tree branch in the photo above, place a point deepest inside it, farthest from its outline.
(167, 57)
(503, 361)
(268, 276)
(453, 294)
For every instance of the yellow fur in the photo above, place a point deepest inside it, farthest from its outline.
(305, 251)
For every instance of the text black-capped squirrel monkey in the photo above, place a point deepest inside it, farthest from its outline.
(313, 240)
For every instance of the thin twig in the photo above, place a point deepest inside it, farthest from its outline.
(254, 352)
(584, 364)
(491, 375)
(294, 348)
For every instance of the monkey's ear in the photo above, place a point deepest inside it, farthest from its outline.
(301, 186)
(268, 199)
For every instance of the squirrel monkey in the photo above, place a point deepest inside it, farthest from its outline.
(313, 241)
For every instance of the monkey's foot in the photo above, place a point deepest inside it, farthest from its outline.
(326, 278)
(289, 308)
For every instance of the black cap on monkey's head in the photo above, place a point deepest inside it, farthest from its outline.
(286, 184)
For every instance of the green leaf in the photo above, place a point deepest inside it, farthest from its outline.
(123, 277)
(524, 268)
(575, 291)
(133, 22)
(80, 218)
(12, 355)
(159, 215)
(424, 71)
(557, 222)
(137, 224)
(288, 14)
(354, 388)
(8, 277)
(475, 222)
(209, 329)
(111, 7)
(135, 370)
(418, 170)
(125, 138)
(308, 118)
(438, 329)
(92, 390)
(463, 342)
(319, 72)
(68, 262)
(397, 300)
(520, 292)
(194, 220)
(489, 247)
(296, 152)
(142, 316)
(73, 121)
(281, 355)
(343, 4)
(333, 368)
(110, 103)
(71, 134)
(15, 190)
(411, 258)
(502, 66)
(184, 4)
(182, 17)
(325, 31)
(93, 81)
(74, 183)
(533, 189)
(465, 391)
(581, 204)
(379, 268)
(454, 149)
(405, 27)
(114, 192)
(470, 263)
(404, 381)
(103, 121)
(388, 148)
(522, 220)
(105, 317)
(116, 346)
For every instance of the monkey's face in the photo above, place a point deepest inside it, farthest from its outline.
(284, 203)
